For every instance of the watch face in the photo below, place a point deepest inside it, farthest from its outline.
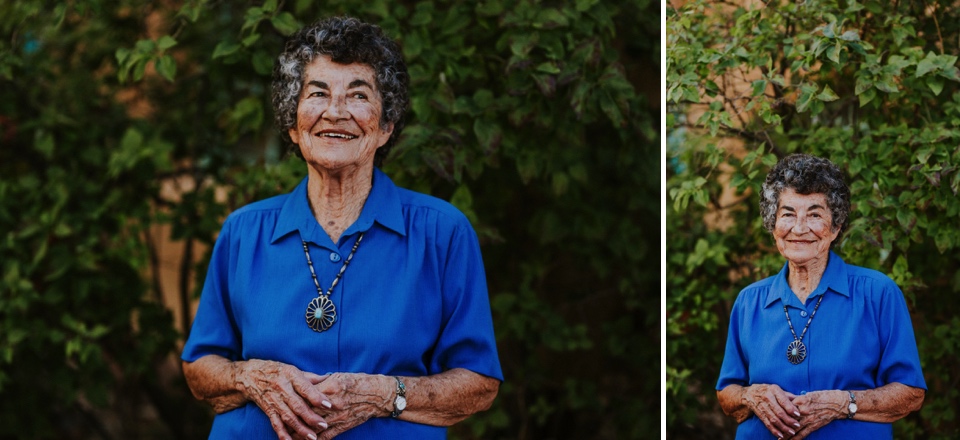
(853, 408)
(401, 403)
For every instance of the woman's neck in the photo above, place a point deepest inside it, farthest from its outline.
(804, 278)
(337, 198)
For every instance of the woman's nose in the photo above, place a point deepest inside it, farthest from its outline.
(336, 109)
(801, 226)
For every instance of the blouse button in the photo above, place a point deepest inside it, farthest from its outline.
(334, 257)
(803, 313)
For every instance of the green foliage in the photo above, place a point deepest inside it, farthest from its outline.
(523, 114)
(870, 85)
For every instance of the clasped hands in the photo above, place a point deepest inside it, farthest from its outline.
(304, 405)
(787, 415)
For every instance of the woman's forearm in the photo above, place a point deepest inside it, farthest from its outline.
(449, 397)
(212, 379)
(733, 404)
(888, 403)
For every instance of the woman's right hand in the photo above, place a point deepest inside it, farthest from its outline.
(285, 394)
(774, 407)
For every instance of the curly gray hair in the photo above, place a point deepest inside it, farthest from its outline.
(345, 40)
(806, 174)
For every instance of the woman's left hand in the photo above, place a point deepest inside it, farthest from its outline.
(356, 398)
(818, 408)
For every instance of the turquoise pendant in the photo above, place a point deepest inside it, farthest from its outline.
(796, 352)
(321, 313)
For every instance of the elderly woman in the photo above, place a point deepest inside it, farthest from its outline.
(348, 307)
(822, 350)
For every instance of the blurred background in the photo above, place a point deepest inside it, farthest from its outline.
(129, 129)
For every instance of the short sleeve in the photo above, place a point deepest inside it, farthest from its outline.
(466, 339)
(733, 371)
(900, 360)
(214, 330)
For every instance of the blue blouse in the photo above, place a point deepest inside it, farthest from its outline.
(861, 338)
(412, 302)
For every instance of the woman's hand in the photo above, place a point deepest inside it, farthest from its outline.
(286, 395)
(438, 400)
(355, 398)
(770, 403)
(774, 407)
(818, 408)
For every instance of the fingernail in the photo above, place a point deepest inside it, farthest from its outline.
(797, 424)
(792, 433)
(312, 437)
(796, 413)
(324, 425)
(327, 404)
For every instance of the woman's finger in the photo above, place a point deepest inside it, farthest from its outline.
(304, 386)
(786, 402)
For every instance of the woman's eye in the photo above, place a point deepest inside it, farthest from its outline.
(359, 95)
(317, 94)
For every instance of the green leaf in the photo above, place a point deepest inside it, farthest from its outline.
(828, 30)
(585, 5)
(927, 65)
(610, 108)
(807, 92)
(935, 84)
(489, 8)
(44, 143)
(952, 73)
(833, 54)
(225, 48)
(867, 96)
(863, 84)
(249, 40)
(850, 35)
(166, 67)
(522, 44)
(827, 94)
(285, 23)
(549, 67)
(165, 42)
(488, 133)
(887, 84)
(550, 18)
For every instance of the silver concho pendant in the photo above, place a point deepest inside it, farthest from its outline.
(796, 352)
(321, 313)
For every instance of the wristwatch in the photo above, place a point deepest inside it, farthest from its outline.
(399, 402)
(852, 407)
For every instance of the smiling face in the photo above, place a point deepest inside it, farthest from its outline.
(338, 116)
(804, 227)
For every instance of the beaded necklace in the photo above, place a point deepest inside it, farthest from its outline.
(321, 312)
(796, 351)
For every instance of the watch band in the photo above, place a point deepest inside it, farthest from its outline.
(852, 407)
(400, 401)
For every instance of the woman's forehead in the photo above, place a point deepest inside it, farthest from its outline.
(323, 68)
(791, 198)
